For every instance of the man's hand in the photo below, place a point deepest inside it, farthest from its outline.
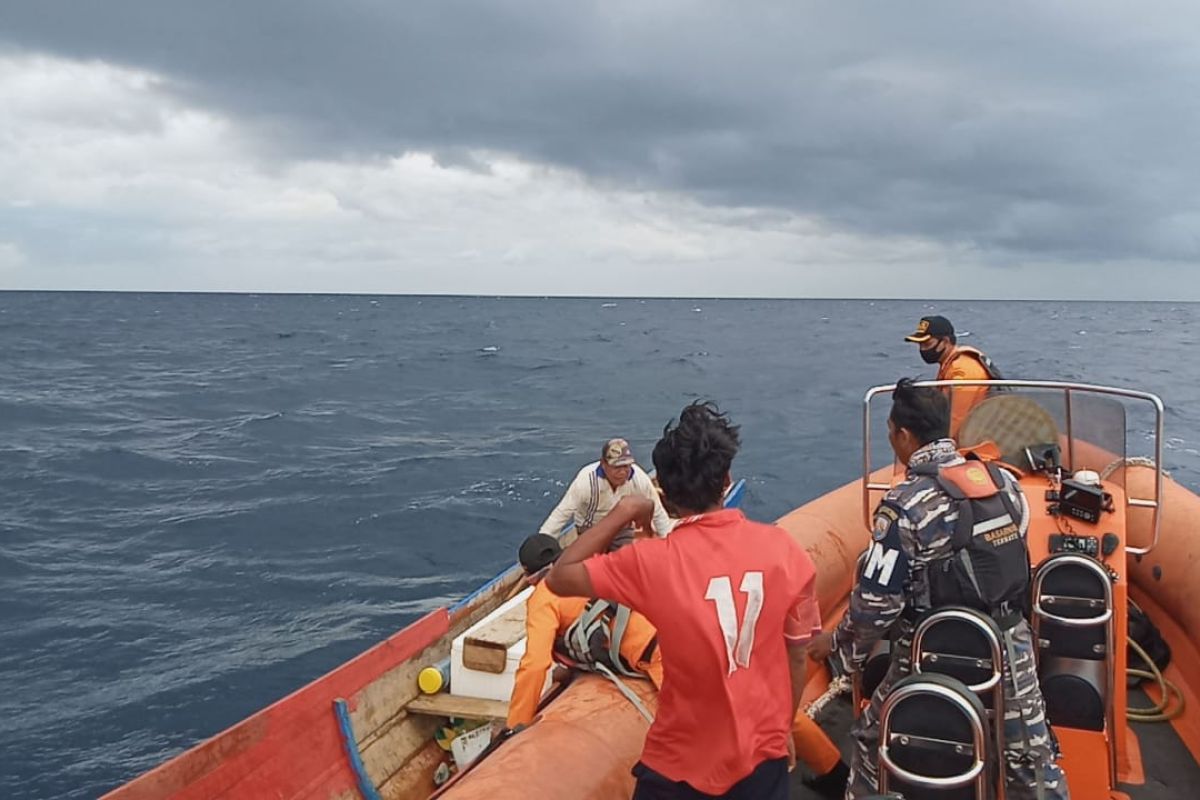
(791, 751)
(636, 509)
(568, 577)
(821, 647)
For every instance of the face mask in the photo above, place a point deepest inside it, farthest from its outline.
(931, 356)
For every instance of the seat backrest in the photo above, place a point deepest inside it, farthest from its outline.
(1072, 604)
(1073, 628)
(965, 644)
(962, 643)
(934, 740)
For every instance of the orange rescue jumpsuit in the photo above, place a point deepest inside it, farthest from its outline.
(961, 364)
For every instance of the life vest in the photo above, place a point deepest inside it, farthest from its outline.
(593, 643)
(989, 366)
(594, 639)
(988, 565)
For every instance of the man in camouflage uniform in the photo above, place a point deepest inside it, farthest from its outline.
(912, 527)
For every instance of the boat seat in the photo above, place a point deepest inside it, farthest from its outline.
(963, 643)
(1073, 628)
(934, 742)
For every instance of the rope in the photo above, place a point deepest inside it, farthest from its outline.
(838, 686)
(1160, 712)
(625, 690)
(1129, 461)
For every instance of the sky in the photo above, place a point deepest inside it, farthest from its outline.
(618, 148)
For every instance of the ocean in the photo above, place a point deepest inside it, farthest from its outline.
(207, 501)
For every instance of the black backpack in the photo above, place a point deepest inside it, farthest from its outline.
(1146, 634)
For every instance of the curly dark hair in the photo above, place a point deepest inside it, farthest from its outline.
(694, 455)
(921, 409)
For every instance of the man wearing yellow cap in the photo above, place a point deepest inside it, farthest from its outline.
(598, 487)
(939, 345)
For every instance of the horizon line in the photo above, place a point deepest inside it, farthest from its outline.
(484, 295)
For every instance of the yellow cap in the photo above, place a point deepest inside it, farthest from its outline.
(430, 680)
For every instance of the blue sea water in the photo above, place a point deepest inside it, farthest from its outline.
(208, 500)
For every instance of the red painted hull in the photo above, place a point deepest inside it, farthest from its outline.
(292, 749)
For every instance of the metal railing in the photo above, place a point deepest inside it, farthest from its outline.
(1067, 389)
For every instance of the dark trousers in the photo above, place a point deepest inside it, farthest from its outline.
(769, 781)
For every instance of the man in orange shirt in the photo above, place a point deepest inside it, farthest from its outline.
(734, 602)
(547, 617)
(939, 345)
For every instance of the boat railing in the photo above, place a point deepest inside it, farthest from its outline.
(1068, 389)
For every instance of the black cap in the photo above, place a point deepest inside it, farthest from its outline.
(538, 551)
(931, 328)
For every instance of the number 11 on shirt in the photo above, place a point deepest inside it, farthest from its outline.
(738, 644)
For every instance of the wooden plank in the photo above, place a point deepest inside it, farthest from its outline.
(485, 658)
(448, 705)
(374, 707)
(487, 648)
(414, 781)
(504, 631)
(396, 746)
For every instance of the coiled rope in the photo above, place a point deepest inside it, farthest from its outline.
(1162, 710)
(1172, 703)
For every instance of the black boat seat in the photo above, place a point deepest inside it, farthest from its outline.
(965, 644)
(1073, 625)
(934, 742)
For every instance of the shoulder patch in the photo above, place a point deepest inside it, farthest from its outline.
(885, 518)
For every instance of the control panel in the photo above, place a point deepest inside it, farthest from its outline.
(1068, 543)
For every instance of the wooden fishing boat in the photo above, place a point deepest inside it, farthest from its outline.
(1126, 533)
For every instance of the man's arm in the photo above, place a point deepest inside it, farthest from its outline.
(541, 625)
(564, 512)
(569, 577)
(877, 600)
(663, 524)
(798, 669)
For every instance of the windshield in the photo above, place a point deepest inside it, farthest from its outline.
(1035, 428)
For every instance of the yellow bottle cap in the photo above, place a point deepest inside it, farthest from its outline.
(430, 680)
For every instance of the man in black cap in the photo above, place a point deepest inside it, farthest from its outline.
(935, 336)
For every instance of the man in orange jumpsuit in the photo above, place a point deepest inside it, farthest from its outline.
(547, 617)
(939, 345)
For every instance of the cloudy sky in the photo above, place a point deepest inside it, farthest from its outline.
(624, 147)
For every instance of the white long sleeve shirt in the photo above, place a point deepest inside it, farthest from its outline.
(590, 497)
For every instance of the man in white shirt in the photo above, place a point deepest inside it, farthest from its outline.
(599, 486)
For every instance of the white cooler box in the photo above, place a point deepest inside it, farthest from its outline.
(467, 682)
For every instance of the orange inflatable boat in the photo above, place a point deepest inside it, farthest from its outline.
(1109, 532)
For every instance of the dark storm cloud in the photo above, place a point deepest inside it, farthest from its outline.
(1056, 132)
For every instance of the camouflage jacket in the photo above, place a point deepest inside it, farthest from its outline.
(912, 527)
